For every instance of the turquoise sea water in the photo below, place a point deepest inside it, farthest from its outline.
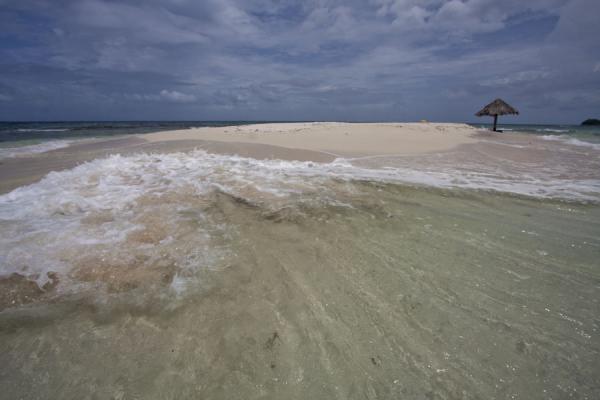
(38, 131)
(589, 133)
(27, 138)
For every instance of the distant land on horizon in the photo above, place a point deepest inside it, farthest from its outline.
(591, 121)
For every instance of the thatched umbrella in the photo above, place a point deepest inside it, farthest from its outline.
(495, 108)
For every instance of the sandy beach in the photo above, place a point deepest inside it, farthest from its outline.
(337, 139)
(318, 142)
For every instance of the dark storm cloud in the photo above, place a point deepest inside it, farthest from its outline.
(286, 59)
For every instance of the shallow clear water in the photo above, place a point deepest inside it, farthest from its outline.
(204, 276)
(22, 131)
(28, 138)
(582, 132)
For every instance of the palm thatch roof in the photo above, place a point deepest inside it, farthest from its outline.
(497, 107)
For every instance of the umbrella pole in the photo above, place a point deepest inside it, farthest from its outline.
(495, 121)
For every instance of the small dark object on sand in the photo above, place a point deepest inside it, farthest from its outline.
(271, 341)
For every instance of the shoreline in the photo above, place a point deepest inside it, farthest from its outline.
(320, 142)
(430, 154)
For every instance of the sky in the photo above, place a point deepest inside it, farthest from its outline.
(318, 60)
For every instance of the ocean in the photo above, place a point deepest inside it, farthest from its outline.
(26, 138)
(574, 134)
(471, 273)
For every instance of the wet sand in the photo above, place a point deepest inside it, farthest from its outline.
(15, 172)
(318, 142)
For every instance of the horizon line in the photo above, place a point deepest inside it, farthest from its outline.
(268, 121)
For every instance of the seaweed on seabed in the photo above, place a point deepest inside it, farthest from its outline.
(17, 290)
(236, 199)
(272, 340)
(285, 214)
(225, 203)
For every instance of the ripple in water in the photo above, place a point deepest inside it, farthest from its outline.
(197, 275)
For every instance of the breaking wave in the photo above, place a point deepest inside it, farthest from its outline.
(572, 141)
(23, 151)
(125, 221)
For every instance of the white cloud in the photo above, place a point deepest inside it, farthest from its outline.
(518, 77)
(459, 17)
(172, 96)
(177, 97)
(145, 23)
(307, 57)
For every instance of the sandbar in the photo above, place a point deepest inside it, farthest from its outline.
(336, 138)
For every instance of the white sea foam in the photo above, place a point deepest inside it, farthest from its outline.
(92, 210)
(572, 141)
(553, 130)
(516, 146)
(23, 151)
(43, 130)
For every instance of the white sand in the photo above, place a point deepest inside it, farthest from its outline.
(318, 142)
(339, 139)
